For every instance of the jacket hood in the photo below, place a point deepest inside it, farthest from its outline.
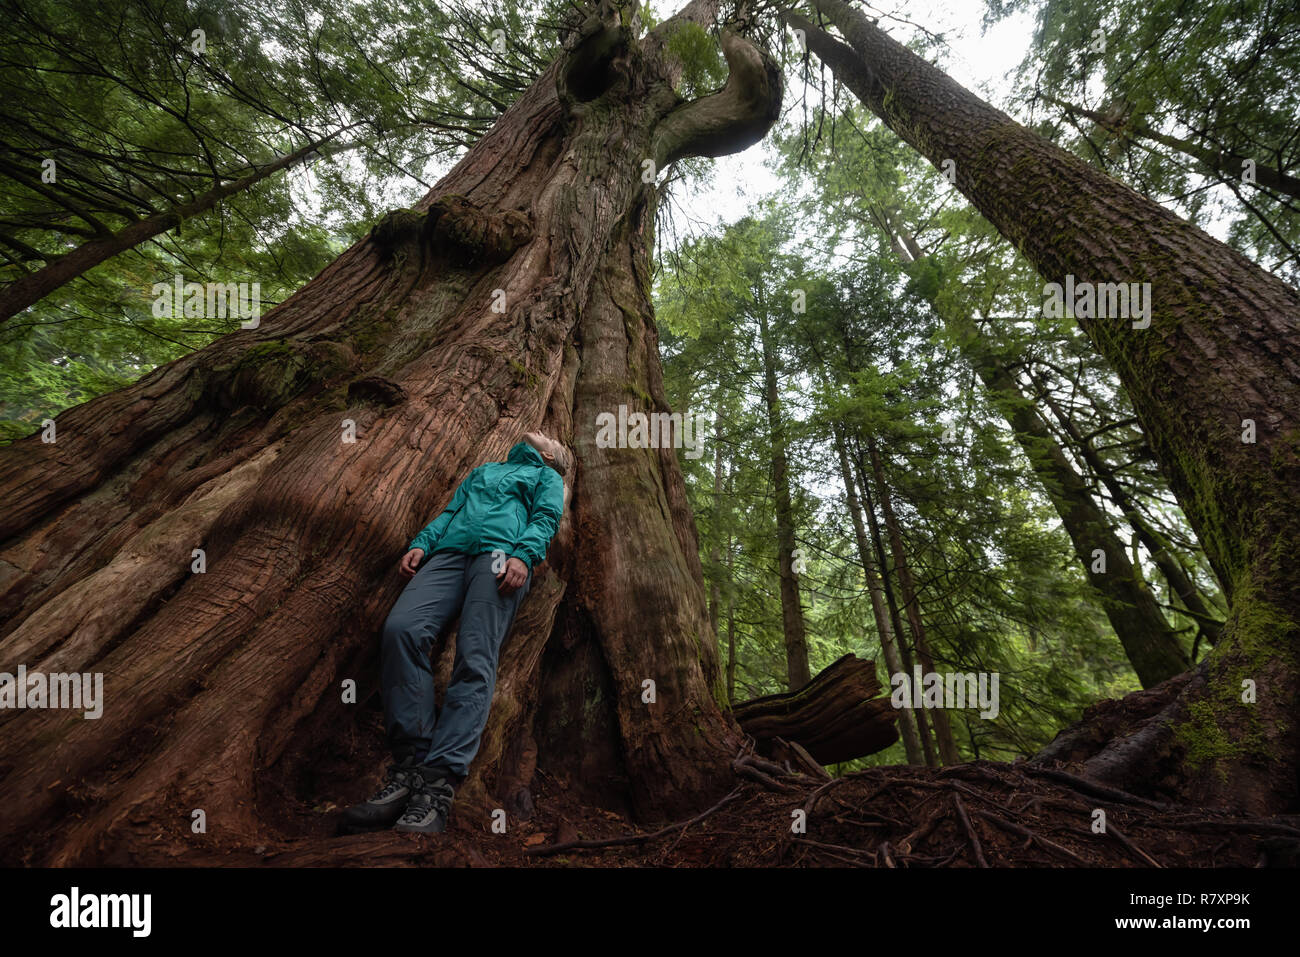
(525, 454)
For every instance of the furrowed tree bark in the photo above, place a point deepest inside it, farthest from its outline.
(1222, 347)
(223, 689)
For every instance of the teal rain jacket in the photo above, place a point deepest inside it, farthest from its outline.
(515, 505)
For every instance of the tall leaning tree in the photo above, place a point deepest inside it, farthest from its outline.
(1223, 346)
(513, 296)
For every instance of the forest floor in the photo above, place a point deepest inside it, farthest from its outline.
(982, 814)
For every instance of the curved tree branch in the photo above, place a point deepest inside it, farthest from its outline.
(728, 121)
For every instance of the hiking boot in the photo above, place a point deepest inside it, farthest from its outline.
(386, 806)
(430, 801)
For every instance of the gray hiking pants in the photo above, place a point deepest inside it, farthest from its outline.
(447, 583)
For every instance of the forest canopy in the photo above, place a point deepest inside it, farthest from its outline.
(987, 314)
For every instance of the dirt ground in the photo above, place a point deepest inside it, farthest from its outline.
(981, 814)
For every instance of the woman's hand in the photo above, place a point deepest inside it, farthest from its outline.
(410, 562)
(512, 576)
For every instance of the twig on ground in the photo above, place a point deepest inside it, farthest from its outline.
(1098, 790)
(838, 849)
(1119, 836)
(884, 852)
(816, 796)
(629, 838)
(1025, 832)
(743, 768)
(970, 831)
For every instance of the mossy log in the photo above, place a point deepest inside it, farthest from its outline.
(836, 717)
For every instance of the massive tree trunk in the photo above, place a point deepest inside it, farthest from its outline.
(223, 689)
(1222, 347)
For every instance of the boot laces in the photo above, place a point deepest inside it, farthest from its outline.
(396, 779)
(424, 796)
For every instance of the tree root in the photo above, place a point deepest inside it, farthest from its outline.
(1053, 821)
(969, 828)
(630, 838)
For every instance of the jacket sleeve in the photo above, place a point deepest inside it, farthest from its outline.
(429, 535)
(543, 519)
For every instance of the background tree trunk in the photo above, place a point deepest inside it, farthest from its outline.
(896, 622)
(715, 555)
(1221, 348)
(1225, 165)
(912, 607)
(223, 689)
(888, 642)
(798, 671)
(1162, 554)
(1149, 641)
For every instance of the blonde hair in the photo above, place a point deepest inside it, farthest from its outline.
(563, 460)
